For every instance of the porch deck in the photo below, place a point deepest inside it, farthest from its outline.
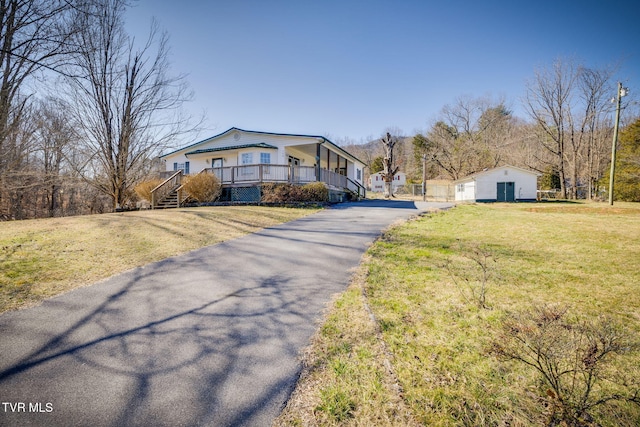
(254, 175)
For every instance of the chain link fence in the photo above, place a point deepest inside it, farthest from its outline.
(436, 192)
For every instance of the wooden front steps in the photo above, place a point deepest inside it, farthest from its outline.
(168, 201)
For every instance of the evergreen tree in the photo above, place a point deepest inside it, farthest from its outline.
(627, 181)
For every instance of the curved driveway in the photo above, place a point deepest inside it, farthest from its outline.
(211, 337)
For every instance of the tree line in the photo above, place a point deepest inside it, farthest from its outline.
(84, 107)
(566, 135)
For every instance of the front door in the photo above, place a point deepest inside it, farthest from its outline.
(216, 165)
(294, 162)
(506, 192)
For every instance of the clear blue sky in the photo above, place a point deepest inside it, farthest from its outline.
(351, 69)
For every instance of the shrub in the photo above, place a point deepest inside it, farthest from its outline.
(577, 360)
(286, 193)
(143, 190)
(315, 192)
(203, 187)
(472, 273)
(280, 193)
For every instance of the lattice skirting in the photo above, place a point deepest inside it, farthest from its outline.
(253, 195)
(240, 194)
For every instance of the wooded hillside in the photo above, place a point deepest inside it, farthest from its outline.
(85, 110)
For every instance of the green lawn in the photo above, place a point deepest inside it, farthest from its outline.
(437, 356)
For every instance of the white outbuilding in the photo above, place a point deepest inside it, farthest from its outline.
(377, 184)
(502, 184)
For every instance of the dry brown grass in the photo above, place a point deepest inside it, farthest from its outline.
(45, 257)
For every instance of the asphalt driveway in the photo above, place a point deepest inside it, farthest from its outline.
(211, 337)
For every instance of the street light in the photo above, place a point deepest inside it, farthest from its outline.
(622, 91)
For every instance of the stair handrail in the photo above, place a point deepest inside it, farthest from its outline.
(182, 195)
(165, 187)
(359, 188)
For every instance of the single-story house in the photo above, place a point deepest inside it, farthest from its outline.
(376, 182)
(502, 184)
(244, 159)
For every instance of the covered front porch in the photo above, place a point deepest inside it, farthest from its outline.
(243, 182)
(292, 174)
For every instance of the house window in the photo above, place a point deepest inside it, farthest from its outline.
(216, 163)
(184, 167)
(359, 174)
(460, 188)
(247, 158)
(265, 158)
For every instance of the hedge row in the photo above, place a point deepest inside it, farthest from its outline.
(286, 193)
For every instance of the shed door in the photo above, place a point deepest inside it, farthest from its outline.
(506, 192)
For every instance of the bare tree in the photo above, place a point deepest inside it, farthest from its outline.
(472, 134)
(548, 102)
(595, 89)
(390, 169)
(568, 103)
(34, 35)
(53, 138)
(125, 105)
(450, 152)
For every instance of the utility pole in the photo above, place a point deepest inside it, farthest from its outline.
(424, 177)
(621, 92)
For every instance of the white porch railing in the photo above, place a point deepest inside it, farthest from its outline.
(256, 174)
(264, 173)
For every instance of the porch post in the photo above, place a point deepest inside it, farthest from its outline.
(318, 162)
(328, 160)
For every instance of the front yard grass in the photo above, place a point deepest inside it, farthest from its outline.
(45, 257)
(408, 342)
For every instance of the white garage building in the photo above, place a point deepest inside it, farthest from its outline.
(503, 184)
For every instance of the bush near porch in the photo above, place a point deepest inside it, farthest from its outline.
(203, 187)
(283, 193)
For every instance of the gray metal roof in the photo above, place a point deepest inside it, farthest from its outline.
(234, 147)
(321, 139)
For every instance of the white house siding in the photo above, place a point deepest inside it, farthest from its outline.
(232, 157)
(376, 182)
(465, 191)
(285, 146)
(525, 184)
